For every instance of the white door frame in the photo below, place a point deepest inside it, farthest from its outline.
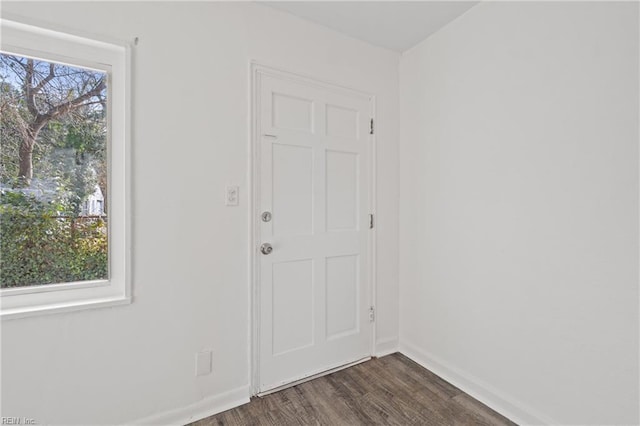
(257, 69)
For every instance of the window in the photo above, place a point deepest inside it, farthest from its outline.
(63, 171)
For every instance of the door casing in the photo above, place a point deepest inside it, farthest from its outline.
(256, 70)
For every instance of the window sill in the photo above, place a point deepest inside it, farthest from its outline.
(32, 311)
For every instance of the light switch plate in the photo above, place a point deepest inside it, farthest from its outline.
(232, 195)
(204, 362)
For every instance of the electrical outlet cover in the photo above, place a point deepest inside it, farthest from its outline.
(204, 361)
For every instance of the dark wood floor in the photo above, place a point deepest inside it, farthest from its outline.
(391, 390)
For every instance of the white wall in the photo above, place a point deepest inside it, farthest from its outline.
(519, 211)
(191, 276)
(519, 208)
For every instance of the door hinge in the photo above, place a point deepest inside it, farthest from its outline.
(372, 314)
(371, 127)
(371, 221)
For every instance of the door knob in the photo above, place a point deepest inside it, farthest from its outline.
(266, 248)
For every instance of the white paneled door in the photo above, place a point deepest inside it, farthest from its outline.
(314, 197)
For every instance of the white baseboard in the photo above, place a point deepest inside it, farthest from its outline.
(483, 392)
(207, 407)
(386, 347)
(507, 406)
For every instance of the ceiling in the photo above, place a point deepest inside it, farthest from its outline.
(395, 25)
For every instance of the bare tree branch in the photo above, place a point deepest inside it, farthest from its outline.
(50, 91)
(61, 109)
(47, 79)
(28, 88)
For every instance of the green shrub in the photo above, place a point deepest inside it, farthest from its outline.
(41, 244)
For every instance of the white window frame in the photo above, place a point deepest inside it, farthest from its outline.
(114, 59)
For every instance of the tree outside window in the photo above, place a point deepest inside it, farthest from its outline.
(53, 173)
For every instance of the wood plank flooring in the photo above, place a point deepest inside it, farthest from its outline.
(392, 390)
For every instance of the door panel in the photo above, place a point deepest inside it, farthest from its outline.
(314, 159)
(292, 302)
(342, 190)
(343, 287)
(342, 122)
(292, 195)
(290, 112)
